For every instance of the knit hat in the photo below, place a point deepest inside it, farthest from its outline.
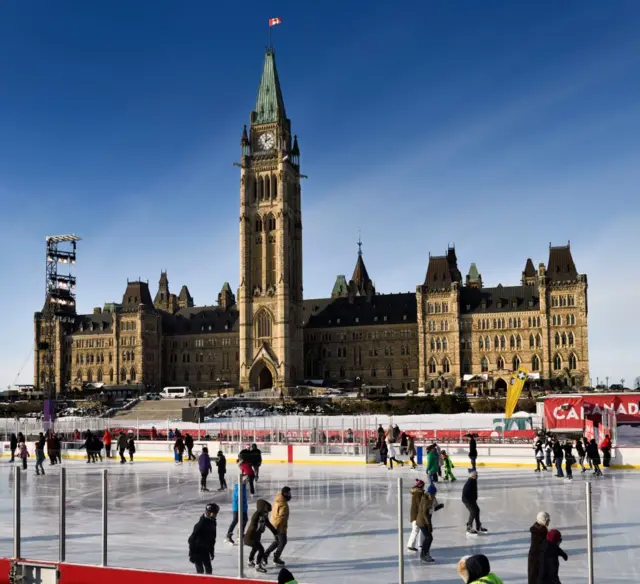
(543, 518)
(432, 490)
(554, 536)
(284, 577)
(473, 474)
(472, 568)
(419, 484)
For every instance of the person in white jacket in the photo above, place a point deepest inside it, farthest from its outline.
(391, 454)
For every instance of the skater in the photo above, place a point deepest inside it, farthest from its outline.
(416, 536)
(539, 456)
(476, 569)
(384, 452)
(98, 445)
(586, 452)
(580, 451)
(88, 446)
(51, 449)
(259, 522)
(473, 451)
(558, 454)
(432, 464)
(221, 463)
(40, 453)
(122, 446)
(106, 440)
(539, 532)
(13, 445)
(404, 442)
(548, 449)
(470, 500)
(202, 541)
(280, 521)
(256, 460)
(234, 510)
(188, 442)
(569, 459)
(439, 457)
(286, 577)
(23, 453)
(594, 457)
(425, 524)
(178, 450)
(448, 467)
(606, 451)
(411, 451)
(549, 559)
(247, 470)
(204, 464)
(391, 449)
(131, 447)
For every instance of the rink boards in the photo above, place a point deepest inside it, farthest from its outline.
(489, 455)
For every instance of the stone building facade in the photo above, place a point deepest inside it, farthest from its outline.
(450, 332)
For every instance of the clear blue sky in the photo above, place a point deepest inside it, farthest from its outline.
(499, 126)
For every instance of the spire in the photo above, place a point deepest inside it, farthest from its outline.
(361, 284)
(269, 105)
(359, 244)
(474, 279)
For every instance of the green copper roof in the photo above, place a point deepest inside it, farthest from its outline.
(340, 288)
(473, 273)
(269, 105)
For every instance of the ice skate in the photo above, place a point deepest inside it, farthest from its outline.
(252, 564)
(483, 531)
(412, 549)
(229, 540)
(471, 532)
(427, 559)
(278, 562)
(261, 568)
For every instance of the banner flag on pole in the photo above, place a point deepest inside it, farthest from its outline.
(274, 21)
(516, 384)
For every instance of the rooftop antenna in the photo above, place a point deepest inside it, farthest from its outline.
(359, 244)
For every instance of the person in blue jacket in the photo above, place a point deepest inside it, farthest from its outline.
(234, 509)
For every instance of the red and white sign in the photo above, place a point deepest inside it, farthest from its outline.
(589, 431)
(569, 412)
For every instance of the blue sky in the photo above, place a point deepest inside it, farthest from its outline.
(499, 126)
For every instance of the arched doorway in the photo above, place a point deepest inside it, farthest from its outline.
(500, 385)
(265, 379)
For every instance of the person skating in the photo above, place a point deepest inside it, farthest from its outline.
(585, 442)
(411, 451)
(549, 559)
(477, 569)
(581, 454)
(13, 445)
(40, 453)
(106, 440)
(448, 467)
(470, 500)
(51, 449)
(391, 449)
(131, 447)
(259, 522)
(473, 451)
(548, 451)
(439, 458)
(234, 511)
(221, 463)
(606, 451)
(98, 445)
(122, 446)
(202, 541)
(539, 456)
(256, 460)
(384, 453)
(280, 521)
(88, 446)
(23, 453)
(286, 577)
(204, 465)
(558, 455)
(594, 457)
(404, 442)
(416, 536)
(246, 468)
(538, 532)
(188, 442)
(569, 459)
(424, 523)
(432, 463)
(178, 450)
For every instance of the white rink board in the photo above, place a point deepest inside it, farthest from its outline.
(342, 525)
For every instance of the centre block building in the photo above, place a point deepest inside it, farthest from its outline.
(450, 332)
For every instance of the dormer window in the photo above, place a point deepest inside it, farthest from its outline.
(385, 319)
(337, 321)
(499, 305)
(375, 319)
(404, 317)
(357, 319)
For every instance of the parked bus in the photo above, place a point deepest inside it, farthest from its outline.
(176, 392)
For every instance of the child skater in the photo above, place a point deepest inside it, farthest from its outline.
(259, 522)
(448, 465)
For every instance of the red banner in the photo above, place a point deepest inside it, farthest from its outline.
(589, 431)
(570, 412)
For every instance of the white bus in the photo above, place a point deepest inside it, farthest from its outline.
(176, 392)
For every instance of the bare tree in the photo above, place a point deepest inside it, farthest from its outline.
(637, 382)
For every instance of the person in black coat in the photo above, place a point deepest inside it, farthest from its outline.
(569, 459)
(188, 442)
(202, 541)
(539, 532)
(581, 454)
(470, 500)
(473, 451)
(594, 457)
(253, 536)
(558, 455)
(13, 445)
(539, 452)
(549, 560)
(256, 460)
(221, 463)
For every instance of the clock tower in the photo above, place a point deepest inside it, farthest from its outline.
(270, 293)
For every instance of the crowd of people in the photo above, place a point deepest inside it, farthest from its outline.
(550, 451)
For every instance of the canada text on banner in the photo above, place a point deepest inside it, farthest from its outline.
(567, 412)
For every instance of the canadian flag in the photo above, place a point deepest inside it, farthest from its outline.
(274, 21)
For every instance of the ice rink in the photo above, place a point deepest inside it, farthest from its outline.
(342, 525)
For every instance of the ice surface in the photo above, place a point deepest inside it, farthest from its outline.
(343, 520)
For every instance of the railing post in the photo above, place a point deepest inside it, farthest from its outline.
(16, 512)
(62, 504)
(400, 535)
(589, 533)
(105, 500)
(240, 528)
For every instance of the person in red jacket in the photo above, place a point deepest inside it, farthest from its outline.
(606, 451)
(106, 440)
(247, 469)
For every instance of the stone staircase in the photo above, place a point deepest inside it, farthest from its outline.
(165, 409)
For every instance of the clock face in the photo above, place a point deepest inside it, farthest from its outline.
(266, 141)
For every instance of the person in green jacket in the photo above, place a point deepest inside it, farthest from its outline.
(477, 570)
(448, 465)
(432, 464)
